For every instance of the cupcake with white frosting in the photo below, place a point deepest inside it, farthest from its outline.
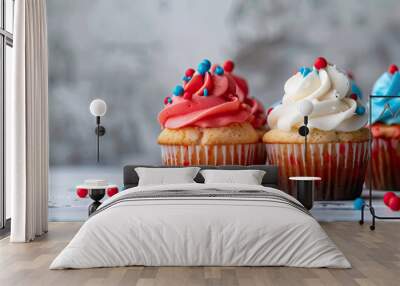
(337, 142)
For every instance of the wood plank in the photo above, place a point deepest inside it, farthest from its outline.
(375, 257)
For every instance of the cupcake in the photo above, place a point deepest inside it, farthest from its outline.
(337, 145)
(385, 129)
(205, 123)
(259, 119)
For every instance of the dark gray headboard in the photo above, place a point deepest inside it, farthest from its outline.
(270, 179)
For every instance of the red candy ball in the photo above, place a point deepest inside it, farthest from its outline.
(393, 69)
(353, 96)
(350, 75)
(320, 63)
(112, 191)
(387, 197)
(229, 66)
(394, 203)
(187, 95)
(81, 192)
(189, 72)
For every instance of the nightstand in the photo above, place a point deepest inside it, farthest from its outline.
(305, 190)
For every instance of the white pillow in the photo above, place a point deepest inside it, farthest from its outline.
(248, 177)
(166, 176)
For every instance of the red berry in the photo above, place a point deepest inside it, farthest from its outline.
(387, 197)
(189, 72)
(394, 203)
(320, 63)
(187, 95)
(393, 69)
(82, 192)
(112, 191)
(229, 66)
(353, 96)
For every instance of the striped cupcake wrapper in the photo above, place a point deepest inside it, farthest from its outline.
(234, 154)
(385, 163)
(342, 167)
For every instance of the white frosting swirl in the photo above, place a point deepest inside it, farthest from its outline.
(328, 89)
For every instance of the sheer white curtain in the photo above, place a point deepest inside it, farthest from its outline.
(27, 123)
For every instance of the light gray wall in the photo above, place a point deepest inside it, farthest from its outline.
(132, 53)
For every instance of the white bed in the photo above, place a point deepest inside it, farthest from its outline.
(259, 226)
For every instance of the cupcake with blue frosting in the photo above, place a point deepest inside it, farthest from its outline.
(337, 149)
(385, 129)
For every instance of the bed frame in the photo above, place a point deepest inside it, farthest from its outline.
(131, 178)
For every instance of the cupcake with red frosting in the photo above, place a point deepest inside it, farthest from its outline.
(259, 119)
(204, 122)
(385, 129)
(337, 149)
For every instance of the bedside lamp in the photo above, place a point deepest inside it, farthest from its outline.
(98, 108)
(305, 185)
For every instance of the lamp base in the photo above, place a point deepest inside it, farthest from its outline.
(100, 130)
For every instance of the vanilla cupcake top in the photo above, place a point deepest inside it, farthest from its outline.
(336, 108)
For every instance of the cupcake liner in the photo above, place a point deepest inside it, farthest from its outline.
(342, 167)
(385, 163)
(234, 154)
(260, 155)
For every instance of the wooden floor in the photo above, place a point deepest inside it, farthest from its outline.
(375, 257)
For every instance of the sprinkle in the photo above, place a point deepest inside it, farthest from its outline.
(178, 90)
(269, 110)
(353, 96)
(219, 70)
(205, 92)
(393, 69)
(360, 110)
(320, 63)
(189, 72)
(166, 100)
(202, 68)
(229, 66)
(304, 71)
(207, 63)
(169, 100)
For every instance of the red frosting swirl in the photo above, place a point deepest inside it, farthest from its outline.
(259, 118)
(218, 106)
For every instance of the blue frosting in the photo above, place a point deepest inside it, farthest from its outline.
(386, 85)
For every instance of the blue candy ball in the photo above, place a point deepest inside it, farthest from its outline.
(178, 90)
(202, 68)
(360, 110)
(304, 71)
(207, 63)
(219, 70)
(358, 203)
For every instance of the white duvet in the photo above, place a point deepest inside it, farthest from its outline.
(200, 231)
